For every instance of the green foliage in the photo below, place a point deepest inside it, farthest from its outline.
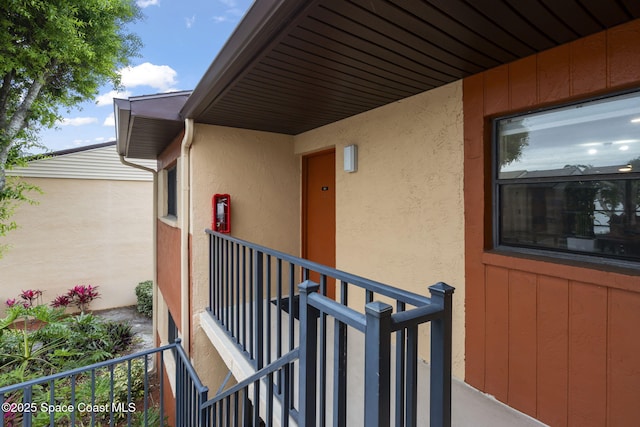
(38, 340)
(144, 293)
(119, 334)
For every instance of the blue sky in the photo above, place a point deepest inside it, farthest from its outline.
(180, 39)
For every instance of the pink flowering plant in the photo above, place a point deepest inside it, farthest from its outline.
(80, 295)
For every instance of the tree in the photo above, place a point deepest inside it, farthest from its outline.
(54, 54)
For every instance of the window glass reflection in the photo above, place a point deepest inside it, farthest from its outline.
(592, 138)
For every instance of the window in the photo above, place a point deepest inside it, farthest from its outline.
(172, 329)
(172, 192)
(568, 179)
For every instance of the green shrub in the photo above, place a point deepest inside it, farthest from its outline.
(144, 293)
(120, 335)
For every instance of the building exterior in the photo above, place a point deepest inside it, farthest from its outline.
(92, 224)
(430, 93)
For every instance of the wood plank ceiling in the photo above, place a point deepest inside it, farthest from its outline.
(331, 59)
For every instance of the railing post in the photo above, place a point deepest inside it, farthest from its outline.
(377, 365)
(308, 355)
(442, 295)
(258, 277)
(180, 415)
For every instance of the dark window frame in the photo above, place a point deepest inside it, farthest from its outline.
(497, 183)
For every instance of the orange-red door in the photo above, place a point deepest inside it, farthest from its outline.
(319, 211)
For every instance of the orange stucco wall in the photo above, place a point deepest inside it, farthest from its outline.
(558, 341)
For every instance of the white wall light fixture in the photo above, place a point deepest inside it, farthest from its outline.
(351, 158)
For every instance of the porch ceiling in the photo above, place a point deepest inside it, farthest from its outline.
(295, 65)
(292, 66)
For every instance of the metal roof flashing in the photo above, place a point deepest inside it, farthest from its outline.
(146, 124)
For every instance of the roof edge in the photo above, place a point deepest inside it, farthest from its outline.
(257, 29)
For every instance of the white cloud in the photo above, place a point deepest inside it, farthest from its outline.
(229, 3)
(77, 121)
(190, 21)
(110, 120)
(219, 19)
(106, 99)
(99, 139)
(147, 3)
(160, 77)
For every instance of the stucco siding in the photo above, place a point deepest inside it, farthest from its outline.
(94, 232)
(261, 173)
(399, 218)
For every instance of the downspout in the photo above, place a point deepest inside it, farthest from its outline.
(154, 238)
(185, 213)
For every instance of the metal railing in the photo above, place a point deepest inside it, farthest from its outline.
(129, 390)
(252, 297)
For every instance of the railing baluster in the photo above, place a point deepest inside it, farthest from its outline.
(340, 374)
(212, 275)
(52, 399)
(400, 370)
(232, 308)
(279, 315)
(73, 399)
(129, 389)
(323, 357)
(226, 287)
(269, 412)
(26, 398)
(258, 307)
(251, 304)
(267, 320)
(244, 298)
(292, 272)
(411, 411)
(286, 399)
(237, 289)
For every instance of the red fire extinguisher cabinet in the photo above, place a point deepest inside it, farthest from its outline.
(221, 207)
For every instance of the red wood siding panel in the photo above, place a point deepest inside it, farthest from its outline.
(474, 230)
(497, 333)
(624, 54)
(553, 74)
(623, 359)
(496, 90)
(522, 341)
(557, 340)
(587, 355)
(553, 349)
(588, 64)
(524, 86)
(169, 268)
